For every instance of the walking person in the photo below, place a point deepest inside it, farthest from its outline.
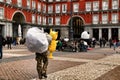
(42, 63)
(2, 41)
(110, 43)
(114, 44)
(9, 41)
(101, 42)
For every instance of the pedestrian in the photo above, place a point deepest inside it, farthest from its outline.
(114, 44)
(101, 42)
(9, 41)
(2, 41)
(110, 43)
(42, 63)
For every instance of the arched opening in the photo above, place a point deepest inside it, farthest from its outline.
(19, 19)
(77, 26)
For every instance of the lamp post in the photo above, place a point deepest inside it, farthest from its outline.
(71, 28)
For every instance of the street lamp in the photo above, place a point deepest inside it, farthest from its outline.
(71, 28)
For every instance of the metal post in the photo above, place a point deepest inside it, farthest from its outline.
(71, 28)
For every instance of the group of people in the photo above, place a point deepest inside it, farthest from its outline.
(79, 45)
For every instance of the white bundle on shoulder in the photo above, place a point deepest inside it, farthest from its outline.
(36, 40)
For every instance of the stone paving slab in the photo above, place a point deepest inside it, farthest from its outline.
(88, 71)
(61, 67)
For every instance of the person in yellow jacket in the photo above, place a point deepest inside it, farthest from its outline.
(53, 44)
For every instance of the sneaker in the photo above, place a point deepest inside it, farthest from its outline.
(44, 75)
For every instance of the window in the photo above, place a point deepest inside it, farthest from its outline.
(39, 7)
(44, 8)
(33, 5)
(88, 6)
(39, 19)
(33, 19)
(1, 13)
(114, 18)
(57, 20)
(105, 5)
(8, 1)
(115, 4)
(44, 20)
(96, 5)
(50, 0)
(57, 8)
(75, 7)
(57, 0)
(50, 8)
(1, 0)
(50, 21)
(19, 2)
(28, 4)
(104, 19)
(95, 19)
(64, 8)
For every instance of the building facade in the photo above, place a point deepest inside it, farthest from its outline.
(99, 17)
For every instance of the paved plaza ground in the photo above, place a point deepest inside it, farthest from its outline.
(96, 64)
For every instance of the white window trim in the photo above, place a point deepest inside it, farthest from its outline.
(95, 19)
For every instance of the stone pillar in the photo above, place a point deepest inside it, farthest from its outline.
(100, 33)
(118, 33)
(8, 30)
(109, 33)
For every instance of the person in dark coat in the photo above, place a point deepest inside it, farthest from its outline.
(2, 42)
(9, 41)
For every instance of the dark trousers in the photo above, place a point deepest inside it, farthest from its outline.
(42, 63)
(9, 46)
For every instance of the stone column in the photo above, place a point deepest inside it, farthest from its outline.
(100, 33)
(118, 33)
(109, 33)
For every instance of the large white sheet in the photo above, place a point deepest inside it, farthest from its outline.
(36, 40)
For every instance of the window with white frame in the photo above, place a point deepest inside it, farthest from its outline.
(57, 8)
(50, 20)
(64, 8)
(33, 19)
(115, 4)
(44, 8)
(96, 5)
(39, 7)
(50, 0)
(114, 18)
(105, 5)
(1, 13)
(75, 7)
(28, 4)
(50, 8)
(95, 19)
(8, 1)
(57, 21)
(104, 18)
(33, 5)
(19, 2)
(44, 20)
(39, 19)
(88, 6)
(57, 0)
(1, 0)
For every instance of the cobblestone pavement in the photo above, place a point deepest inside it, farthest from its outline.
(19, 64)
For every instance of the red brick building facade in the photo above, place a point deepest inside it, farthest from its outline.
(99, 17)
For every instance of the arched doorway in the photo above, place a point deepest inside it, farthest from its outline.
(77, 26)
(19, 20)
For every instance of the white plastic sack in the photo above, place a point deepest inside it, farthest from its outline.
(85, 35)
(36, 40)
